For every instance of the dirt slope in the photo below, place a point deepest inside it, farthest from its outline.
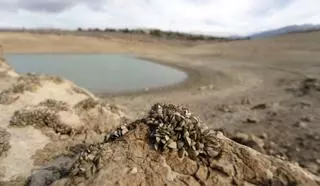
(36, 111)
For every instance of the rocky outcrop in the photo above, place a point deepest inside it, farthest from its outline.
(40, 115)
(128, 156)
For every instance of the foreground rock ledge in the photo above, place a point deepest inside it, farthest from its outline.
(131, 161)
(128, 157)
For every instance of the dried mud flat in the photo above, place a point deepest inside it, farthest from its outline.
(262, 93)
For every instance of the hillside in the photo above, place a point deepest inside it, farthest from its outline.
(286, 30)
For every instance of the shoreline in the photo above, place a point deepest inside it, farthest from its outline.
(193, 75)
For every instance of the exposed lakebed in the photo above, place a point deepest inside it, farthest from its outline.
(99, 73)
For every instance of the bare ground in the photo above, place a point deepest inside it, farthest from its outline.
(243, 86)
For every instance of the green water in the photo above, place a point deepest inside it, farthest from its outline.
(99, 73)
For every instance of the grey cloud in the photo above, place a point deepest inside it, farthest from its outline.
(50, 6)
(46, 6)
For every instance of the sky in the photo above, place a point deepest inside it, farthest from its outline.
(215, 17)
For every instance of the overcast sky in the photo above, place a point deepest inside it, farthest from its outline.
(219, 17)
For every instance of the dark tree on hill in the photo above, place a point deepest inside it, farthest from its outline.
(155, 32)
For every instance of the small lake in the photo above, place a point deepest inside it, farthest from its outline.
(99, 73)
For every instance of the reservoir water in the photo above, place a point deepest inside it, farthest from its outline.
(99, 73)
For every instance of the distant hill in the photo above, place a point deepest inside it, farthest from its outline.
(286, 30)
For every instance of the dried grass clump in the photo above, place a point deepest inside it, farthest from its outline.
(55, 105)
(4, 141)
(28, 82)
(86, 104)
(39, 117)
(55, 79)
(79, 90)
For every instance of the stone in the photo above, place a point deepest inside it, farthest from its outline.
(64, 137)
(249, 140)
(245, 101)
(264, 136)
(307, 119)
(301, 124)
(261, 106)
(202, 88)
(167, 168)
(252, 120)
(312, 167)
(134, 170)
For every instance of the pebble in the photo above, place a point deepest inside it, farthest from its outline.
(245, 101)
(307, 119)
(134, 170)
(312, 167)
(264, 136)
(211, 87)
(301, 124)
(261, 106)
(202, 88)
(64, 137)
(252, 120)
(225, 108)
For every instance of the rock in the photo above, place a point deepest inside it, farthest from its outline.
(225, 108)
(202, 173)
(264, 136)
(134, 170)
(301, 124)
(261, 106)
(202, 88)
(43, 109)
(318, 161)
(245, 101)
(309, 85)
(250, 141)
(52, 172)
(64, 137)
(312, 167)
(252, 120)
(307, 119)
(237, 164)
(211, 87)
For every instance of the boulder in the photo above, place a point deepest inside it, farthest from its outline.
(131, 159)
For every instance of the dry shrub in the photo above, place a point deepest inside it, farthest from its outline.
(55, 105)
(86, 104)
(39, 117)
